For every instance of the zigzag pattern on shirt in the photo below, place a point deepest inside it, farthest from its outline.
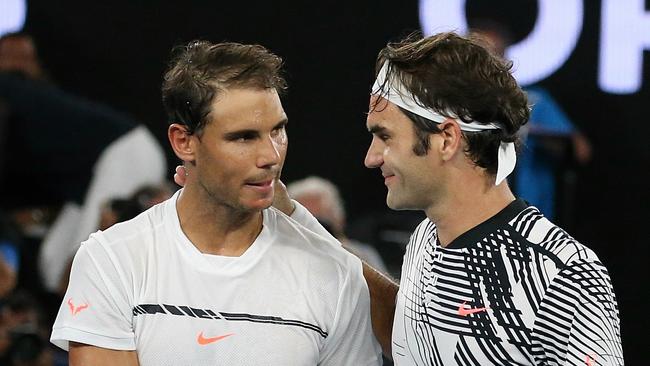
(548, 299)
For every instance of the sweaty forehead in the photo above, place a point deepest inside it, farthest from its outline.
(381, 110)
(248, 105)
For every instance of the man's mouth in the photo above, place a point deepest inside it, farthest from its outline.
(388, 177)
(261, 183)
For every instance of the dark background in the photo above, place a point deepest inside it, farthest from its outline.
(115, 52)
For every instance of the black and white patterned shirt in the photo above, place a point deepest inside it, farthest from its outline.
(514, 290)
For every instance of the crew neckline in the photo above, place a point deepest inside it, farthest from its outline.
(218, 263)
(480, 231)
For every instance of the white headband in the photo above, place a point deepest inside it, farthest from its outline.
(394, 91)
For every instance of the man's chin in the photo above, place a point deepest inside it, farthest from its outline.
(393, 203)
(399, 205)
(259, 205)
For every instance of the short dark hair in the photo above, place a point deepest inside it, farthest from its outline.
(458, 75)
(200, 70)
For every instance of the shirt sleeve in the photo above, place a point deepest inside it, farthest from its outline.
(95, 309)
(578, 320)
(351, 340)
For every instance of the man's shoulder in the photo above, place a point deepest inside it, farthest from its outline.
(137, 231)
(550, 239)
(308, 245)
(425, 226)
(295, 232)
(423, 232)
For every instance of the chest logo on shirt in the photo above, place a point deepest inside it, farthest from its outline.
(207, 340)
(462, 311)
(589, 358)
(74, 310)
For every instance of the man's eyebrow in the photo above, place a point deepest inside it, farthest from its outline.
(282, 123)
(233, 135)
(375, 129)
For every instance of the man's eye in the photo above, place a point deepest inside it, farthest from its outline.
(277, 131)
(243, 137)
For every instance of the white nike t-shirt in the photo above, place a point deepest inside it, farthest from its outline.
(293, 298)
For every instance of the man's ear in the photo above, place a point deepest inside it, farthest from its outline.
(452, 138)
(181, 141)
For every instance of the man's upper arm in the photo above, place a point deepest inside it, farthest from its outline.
(383, 290)
(87, 355)
(582, 300)
(383, 298)
(351, 341)
(96, 309)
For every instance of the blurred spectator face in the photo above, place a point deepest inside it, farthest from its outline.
(319, 206)
(323, 199)
(18, 53)
(314, 203)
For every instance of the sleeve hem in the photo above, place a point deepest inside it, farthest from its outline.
(61, 337)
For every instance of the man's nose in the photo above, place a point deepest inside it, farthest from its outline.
(269, 153)
(374, 156)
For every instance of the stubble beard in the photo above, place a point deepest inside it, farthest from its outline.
(218, 203)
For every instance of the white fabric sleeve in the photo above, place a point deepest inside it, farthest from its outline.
(578, 321)
(351, 340)
(305, 218)
(96, 309)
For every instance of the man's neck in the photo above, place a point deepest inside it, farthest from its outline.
(466, 206)
(215, 228)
